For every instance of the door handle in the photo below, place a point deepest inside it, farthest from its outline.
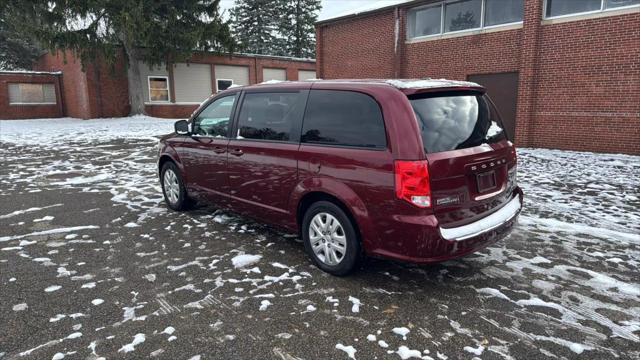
(236, 152)
(219, 150)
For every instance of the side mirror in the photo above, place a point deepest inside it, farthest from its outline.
(181, 127)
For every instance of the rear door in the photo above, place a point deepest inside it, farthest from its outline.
(469, 155)
(204, 153)
(263, 167)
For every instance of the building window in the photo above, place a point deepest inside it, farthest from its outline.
(557, 8)
(462, 15)
(34, 94)
(223, 84)
(425, 21)
(498, 12)
(158, 89)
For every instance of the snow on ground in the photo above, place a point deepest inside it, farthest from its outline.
(96, 265)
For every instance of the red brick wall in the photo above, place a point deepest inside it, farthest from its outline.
(97, 91)
(588, 85)
(255, 65)
(579, 81)
(8, 111)
(74, 82)
(357, 48)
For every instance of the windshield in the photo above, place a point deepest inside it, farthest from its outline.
(458, 120)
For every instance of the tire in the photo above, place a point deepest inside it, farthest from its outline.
(173, 189)
(336, 252)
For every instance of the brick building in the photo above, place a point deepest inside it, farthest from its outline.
(565, 73)
(62, 87)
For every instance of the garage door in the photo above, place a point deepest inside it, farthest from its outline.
(503, 90)
(227, 75)
(192, 82)
(274, 74)
(306, 74)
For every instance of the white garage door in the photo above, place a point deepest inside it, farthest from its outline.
(231, 74)
(274, 74)
(192, 82)
(306, 74)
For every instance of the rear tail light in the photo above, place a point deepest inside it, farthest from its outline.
(412, 182)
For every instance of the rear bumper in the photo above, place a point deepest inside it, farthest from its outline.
(427, 242)
(484, 225)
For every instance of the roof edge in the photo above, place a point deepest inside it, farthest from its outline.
(364, 12)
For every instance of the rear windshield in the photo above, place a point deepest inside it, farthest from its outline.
(459, 120)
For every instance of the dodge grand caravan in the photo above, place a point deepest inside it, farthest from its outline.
(412, 170)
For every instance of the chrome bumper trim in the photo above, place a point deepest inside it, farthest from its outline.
(485, 224)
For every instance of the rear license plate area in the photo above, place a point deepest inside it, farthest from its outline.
(486, 181)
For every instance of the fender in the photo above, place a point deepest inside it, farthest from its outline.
(168, 151)
(342, 192)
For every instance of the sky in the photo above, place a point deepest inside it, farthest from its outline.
(331, 8)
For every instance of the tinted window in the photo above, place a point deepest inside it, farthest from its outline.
(456, 121)
(343, 118)
(271, 116)
(214, 119)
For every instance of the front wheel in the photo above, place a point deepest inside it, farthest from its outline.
(175, 193)
(330, 238)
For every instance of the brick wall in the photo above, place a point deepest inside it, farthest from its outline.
(101, 90)
(255, 65)
(579, 81)
(9, 111)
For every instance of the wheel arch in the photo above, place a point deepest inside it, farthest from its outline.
(339, 194)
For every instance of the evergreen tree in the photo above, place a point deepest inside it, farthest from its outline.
(151, 31)
(296, 26)
(17, 50)
(254, 25)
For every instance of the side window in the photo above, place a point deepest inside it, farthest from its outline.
(271, 116)
(215, 118)
(344, 118)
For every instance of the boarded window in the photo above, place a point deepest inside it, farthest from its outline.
(158, 88)
(27, 93)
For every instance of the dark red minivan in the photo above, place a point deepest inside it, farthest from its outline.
(413, 170)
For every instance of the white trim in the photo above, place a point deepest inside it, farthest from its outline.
(164, 103)
(484, 225)
(486, 30)
(445, 34)
(33, 103)
(580, 14)
(232, 83)
(149, 89)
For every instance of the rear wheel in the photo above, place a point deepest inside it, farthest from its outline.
(175, 193)
(330, 238)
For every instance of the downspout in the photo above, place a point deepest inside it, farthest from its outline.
(396, 55)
